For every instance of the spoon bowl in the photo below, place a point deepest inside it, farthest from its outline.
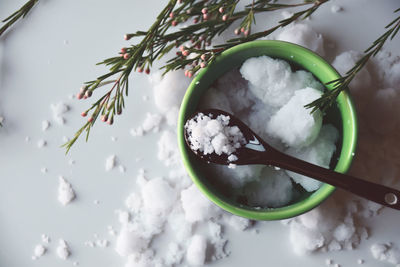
(245, 154)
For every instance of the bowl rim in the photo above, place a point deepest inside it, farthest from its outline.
(349, 134)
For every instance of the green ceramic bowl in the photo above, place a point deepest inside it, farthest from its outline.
(343, 116)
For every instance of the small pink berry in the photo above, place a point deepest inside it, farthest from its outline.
(171, 15)
(174, 23)
(140, 70)
(180, 1)
(83, 89)
(190, 74)
(237, 31)
(182, 48)
(127, 37)
(204, 10)
(206, 16)
(203, 65)
(126, 56)
(202, 37)
(225, 17)
(88, 93)
(186, 73)
(84, 114)
(195, 20)
(123, 50)
(246, 33)
(203, 57)
(242, 29)
(104, 118)
(185, 53)
(110, 121)
(221, 10)
(147, 71)
(85, 97)
(79, 95)
(90, 119)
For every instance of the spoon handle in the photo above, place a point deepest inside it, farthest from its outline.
(381, 194)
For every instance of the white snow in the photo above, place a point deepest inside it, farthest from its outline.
(151, 123)
(336, 8)
(111, 161)
(293, 124)
(386, 252)
(196, 206)
(158, 196)
(58, 110)
(319, 153)
(304, 35)
(274, 189)
(45, 125)
(65, 191)
(272, 80)
(63, 250)
(209, 135)
(196, 253)
(41, 143)
(39, 251)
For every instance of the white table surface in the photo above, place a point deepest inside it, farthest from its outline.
(44, 59)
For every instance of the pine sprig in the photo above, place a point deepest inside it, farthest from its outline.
(20, 13)
(329, 97)
(210, 19)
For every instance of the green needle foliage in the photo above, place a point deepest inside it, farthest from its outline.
(210, 19)
(341, 84)
(20, 13)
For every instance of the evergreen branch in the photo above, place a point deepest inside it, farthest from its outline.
(210, 19)
(341, 84)
(20, 13)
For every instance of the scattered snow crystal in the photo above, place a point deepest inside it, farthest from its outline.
(360, 86)
(336, 8)
(386, 252)
(63, 251)
(168, 151)
(111, 161)
(196, 253)
(169, 91)
(41, 143)
(130, 242)
(158, 196)
(65, 192)
(45, 125)
(151, 123)
(39, 251)
(196, 206)
(59, 110)
(304, 35)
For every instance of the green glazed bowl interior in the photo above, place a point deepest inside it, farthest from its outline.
(342, 116)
